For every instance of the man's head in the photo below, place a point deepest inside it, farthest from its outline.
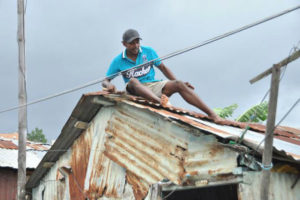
(130, 35)
(131, 40)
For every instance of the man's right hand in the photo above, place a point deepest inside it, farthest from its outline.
(110, 88)
(107, 86)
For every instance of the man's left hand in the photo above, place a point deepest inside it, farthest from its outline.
(189, 85)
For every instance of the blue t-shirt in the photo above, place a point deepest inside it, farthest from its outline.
(143, 74)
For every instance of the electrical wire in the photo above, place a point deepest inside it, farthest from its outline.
(287, 113)
(176, 53)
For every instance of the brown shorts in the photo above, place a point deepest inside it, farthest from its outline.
(155, 87)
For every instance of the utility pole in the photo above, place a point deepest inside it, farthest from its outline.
(268, 146)
(22, 115)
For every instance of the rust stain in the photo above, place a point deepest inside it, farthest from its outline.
(192, 173)
(79, 162)
(213, 150)
(7, 145)
(196, 163)
(111, 152)
(140, 187)
(36, 146)
(289, 129)
(163, 147)
(214, 171)
(290, 140)
(94, 190)
(143, 155)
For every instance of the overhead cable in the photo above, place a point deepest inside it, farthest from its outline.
(176, 53)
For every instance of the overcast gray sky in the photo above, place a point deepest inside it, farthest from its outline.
(71, 42)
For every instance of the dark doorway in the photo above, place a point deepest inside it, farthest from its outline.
(224, 192)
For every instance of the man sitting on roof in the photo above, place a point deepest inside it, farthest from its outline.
(141, 81)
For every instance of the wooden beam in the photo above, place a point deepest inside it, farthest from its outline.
(103, 101)
(22, 114)
(81, 125)
(268, 144)
(48, 164)
(284, 62)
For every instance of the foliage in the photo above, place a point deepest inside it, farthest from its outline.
(226, 111)
(257, 113)
(37, 135)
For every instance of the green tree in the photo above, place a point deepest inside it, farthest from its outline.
(226, 111)
(257, 113)
(37, 135)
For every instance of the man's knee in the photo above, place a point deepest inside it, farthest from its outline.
(173, 87)
(132, 84)
(179, 85)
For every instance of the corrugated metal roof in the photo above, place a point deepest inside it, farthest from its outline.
(9, 158)
(132, 150)
(9, 151)
(286, 141)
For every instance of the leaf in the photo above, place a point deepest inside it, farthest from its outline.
(257, 113)
(226, 111)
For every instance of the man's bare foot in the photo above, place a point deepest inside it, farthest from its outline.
(164, 101)
(217, 119)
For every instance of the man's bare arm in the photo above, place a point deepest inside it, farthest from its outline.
(108, 86)
(169, 74)
(166, 71)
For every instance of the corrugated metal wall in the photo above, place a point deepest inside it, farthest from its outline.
(125, 150)
(8, 184)
(280, 186)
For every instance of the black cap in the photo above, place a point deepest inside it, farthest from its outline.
(130, 35)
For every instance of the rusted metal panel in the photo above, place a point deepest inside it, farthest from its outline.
(104, 178)
(140, 187)
(145, 145)
(8, 184)
(253, 139)
(9, 151)
(280, 186)
(206, 157)
(91, 175)
(7, 145)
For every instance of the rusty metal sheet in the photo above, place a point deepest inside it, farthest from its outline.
(90, 173)
(280, 186)
(252, 138)
(206, 157)
(289, 129)
(145, 145)
(9, 151)
(7, 145)
(104, 178)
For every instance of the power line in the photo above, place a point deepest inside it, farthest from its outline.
(176, 53)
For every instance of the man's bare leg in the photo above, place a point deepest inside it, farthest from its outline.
(189, 96)
(137, 88)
